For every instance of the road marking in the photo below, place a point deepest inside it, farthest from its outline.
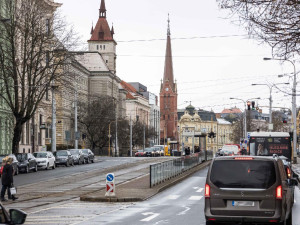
(195, 187)
(184, 212)
(149, 217)
(173, 197)
(200, 190)
(195, 198)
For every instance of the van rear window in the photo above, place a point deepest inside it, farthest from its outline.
(243, 174)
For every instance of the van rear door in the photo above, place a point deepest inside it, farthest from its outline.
(242, 186)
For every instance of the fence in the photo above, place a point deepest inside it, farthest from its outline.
(161, 172)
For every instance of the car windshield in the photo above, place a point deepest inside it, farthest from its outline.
(74, 151)
(62, 153)
(243, 174)
(148, 150)
(86, 151)
(40, 154)
(140, 151)
(22, 157)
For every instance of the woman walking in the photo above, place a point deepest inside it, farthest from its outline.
(7, 180)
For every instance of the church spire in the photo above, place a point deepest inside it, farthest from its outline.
(168, 73)
(102, 10)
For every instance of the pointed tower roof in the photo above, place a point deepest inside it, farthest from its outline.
(102, 31)
(168, 72)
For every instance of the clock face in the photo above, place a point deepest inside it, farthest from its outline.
(167, 89)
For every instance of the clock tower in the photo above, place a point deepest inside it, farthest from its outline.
(168, 97)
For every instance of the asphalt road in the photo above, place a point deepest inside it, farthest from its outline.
(181, 204)
(62, 171)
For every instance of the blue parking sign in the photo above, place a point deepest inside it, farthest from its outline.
(110, 177)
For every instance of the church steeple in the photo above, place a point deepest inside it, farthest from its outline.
(168, 72)
(102, 10)
(92, 30)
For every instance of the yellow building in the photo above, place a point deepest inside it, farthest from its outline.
(193, 122)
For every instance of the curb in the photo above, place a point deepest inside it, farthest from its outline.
(158, 188)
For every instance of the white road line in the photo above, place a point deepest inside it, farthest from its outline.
(173, 197)
(184, 212)
(195, 198)
(195, 188)
(200, 190)
(149, 217)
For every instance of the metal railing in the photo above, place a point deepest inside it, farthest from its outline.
(163, 171)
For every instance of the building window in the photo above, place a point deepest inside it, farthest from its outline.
(106, 61)
(97, 47)
(103, 47)
(47, 59)
(48, 27)
(47, 93)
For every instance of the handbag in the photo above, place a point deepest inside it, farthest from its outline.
(13, 191)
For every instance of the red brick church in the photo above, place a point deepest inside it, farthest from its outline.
(168, 98)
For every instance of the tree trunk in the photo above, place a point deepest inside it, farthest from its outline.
(17, 137)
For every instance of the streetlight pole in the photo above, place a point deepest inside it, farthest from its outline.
(53, 124)
(270, 99)
(293, 108)
(245, 116)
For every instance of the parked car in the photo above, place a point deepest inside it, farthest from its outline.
(27, 162)
(139, 153)
(155, 151)
(88, 155)
(248, 189)
(14, 216)
(45, 160)
(63, 157)
(161, 149)
(148, 152)
(15, 163)
(77, 156)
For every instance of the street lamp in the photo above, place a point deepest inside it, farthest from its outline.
(245, 118)
(270, 108)
(293, 107)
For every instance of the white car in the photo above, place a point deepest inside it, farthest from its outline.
(45, 160)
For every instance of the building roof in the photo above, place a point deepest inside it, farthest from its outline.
(102, 32)
(231, 111)
(130, 90)
(92, 61)
(223, 121)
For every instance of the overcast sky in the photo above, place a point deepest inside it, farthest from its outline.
(213, 59)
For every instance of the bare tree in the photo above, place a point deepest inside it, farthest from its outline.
(33, 44)
(274, 22)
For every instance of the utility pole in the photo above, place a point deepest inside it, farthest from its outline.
(116, 144)
(144, 137)
(130, 137)
(75, 119)
(53, 125)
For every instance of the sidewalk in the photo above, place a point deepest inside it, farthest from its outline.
(138, 189)
(296, 167)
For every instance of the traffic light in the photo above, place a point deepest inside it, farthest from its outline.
(253, 105)
(291, 135)
(248, 104)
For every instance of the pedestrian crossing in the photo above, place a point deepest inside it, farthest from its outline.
(194, 197)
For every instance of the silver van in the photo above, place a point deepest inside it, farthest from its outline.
(248, 189)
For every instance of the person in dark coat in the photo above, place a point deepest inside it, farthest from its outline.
(7, 180)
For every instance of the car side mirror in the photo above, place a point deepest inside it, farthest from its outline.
(17, 216)
(292, 182)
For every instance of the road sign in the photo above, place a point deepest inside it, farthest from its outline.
(110, 177)
(248, 135)
(110, 185)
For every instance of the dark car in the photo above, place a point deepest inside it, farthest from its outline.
(63, 157)
(88, 155)
(27, 162)
(248, 189)
(77, 156)
(14, 216)
(15, 163)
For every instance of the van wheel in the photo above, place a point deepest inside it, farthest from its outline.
(211, 223)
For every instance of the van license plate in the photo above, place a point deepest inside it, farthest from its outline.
(242, 203)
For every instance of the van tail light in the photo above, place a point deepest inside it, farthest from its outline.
(207, 191)
(288, 171)
(273, 221)
(279, 192)
(211, 219)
